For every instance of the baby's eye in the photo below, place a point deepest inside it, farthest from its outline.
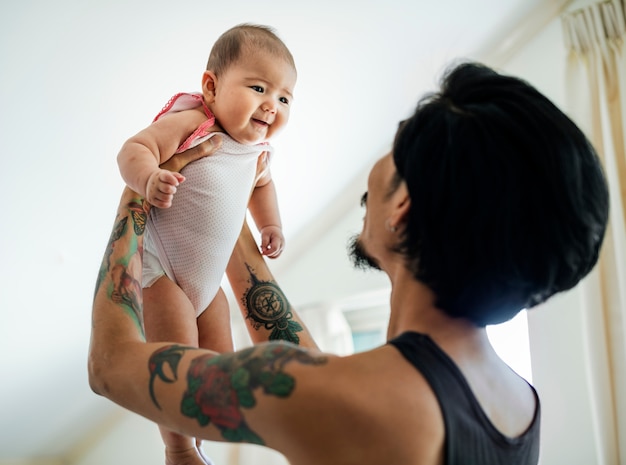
(259, 89)
(284, 100)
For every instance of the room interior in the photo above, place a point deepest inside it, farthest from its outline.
(78, 78)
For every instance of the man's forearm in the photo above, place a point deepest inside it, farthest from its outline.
(197, 392)
(117, 307)
(268, 314)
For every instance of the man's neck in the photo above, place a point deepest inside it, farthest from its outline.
(413, 309)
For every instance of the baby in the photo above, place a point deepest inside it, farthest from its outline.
(246, 96)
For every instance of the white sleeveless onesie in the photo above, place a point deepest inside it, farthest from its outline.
(194, 238)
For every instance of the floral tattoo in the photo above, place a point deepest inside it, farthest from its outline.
(219, 387)
(268, 307)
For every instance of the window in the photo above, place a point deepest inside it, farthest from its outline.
(510, 340)
(368, 315)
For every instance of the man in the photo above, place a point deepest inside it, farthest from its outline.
(491, 201)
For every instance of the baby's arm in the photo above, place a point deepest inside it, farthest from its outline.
(263, 207)
(141, 155)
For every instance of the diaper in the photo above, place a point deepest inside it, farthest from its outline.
(152, 269)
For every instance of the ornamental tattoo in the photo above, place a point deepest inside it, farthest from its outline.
(218, 387)
(268, 307)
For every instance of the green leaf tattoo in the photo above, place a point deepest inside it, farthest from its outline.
(219, 387)
(267, 306)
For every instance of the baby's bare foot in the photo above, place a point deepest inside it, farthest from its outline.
(190, 456)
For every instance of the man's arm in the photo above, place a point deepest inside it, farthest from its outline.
(268, 314)
(230, 397)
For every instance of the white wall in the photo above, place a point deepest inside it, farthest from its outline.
(132, 439)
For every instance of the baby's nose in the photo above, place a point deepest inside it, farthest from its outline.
(269, 105)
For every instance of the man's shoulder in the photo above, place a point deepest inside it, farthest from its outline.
(369, 398)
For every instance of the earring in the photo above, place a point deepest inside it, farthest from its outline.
(390, 228)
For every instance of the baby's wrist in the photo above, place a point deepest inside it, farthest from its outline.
(274, 227)
(149, 180)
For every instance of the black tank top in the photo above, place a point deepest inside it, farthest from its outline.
(471, 438)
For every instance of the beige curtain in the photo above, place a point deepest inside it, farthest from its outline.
(596, 100)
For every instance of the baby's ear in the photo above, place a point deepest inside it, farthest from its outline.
(209, 82)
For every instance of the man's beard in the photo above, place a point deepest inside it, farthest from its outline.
(358, 255)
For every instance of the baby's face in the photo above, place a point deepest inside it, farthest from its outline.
(252, 99)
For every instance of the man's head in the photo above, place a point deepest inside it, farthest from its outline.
(508, 201)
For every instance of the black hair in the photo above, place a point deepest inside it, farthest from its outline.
(509, 202)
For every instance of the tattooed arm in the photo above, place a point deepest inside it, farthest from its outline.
(268, 314)
(246, 396)
(194, 391)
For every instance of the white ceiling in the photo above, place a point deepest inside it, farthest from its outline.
(79, 77)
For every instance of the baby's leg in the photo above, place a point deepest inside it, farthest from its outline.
(214, 332)
(170, 316)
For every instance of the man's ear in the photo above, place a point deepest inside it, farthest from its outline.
(401, 204)
(209, 85)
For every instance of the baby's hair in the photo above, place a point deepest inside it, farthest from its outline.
(233, 44)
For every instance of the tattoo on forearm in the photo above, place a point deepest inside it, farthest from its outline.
(267, 306)
(118, 231)
(219, 387)
(139, 216)
(124, 289)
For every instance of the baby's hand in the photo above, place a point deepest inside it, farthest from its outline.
(161, 187)
(272, 241)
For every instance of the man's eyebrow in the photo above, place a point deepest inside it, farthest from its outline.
(364, 199)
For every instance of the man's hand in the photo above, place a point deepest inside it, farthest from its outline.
(177, 162)
(162, 184)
